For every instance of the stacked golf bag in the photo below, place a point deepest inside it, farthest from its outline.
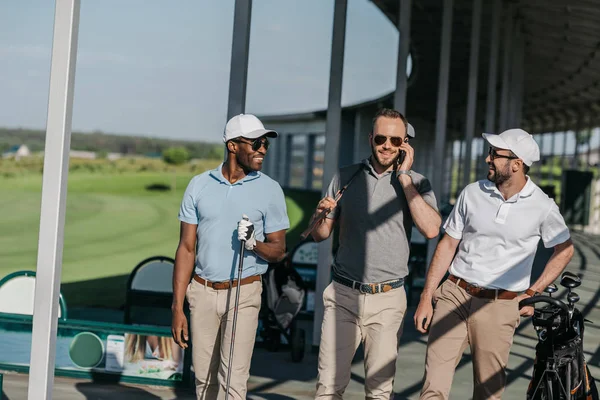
(562, 347)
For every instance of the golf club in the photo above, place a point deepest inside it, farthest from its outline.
(324, 213)
(235, 313)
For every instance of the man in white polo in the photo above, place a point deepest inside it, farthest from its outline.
(495, 225)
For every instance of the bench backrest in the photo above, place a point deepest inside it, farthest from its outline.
(17, 294)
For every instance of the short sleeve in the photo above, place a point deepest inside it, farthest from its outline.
(554, 230)
(333, 188)
(455, 224)
(426, 191)
(188, 211)
(276, 217)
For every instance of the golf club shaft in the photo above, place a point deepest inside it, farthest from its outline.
(235, 313)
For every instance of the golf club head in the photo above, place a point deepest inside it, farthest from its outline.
(551, 289)
(573, 298)
(570, 280)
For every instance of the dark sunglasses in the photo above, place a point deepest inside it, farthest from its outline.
(256, 143)
(395, 140)
(493, 155)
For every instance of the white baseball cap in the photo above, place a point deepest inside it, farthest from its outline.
(518, 141)
(246, 125)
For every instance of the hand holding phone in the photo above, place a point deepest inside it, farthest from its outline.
(405, 156)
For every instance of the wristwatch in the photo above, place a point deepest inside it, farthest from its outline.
(404, 172)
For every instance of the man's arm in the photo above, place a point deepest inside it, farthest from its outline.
(425, 217)
(273, 248)
(182, 272)
(323, 230)
(444, 253)
(556, 264)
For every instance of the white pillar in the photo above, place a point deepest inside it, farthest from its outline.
(310, 161)
(332, 144)
(403, 51)
(506, 69)
(240, 49)
(442, 104)
(490, 114)
(518, 77)
(472, 91)
(54, 198)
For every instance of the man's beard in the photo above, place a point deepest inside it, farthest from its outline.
(246, 164)
(499, 176)
(380, 161)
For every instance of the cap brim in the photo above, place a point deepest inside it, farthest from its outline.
(410, 131)
(260, 132)
(495, 141)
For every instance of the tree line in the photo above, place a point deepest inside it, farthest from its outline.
(101, 142)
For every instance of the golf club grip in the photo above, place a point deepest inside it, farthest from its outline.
(317, 219)
(544, 299)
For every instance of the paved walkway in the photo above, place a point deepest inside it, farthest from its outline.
(275, 377)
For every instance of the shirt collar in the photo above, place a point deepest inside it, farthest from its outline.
(217, 173)
(367, 162)
(527, 190)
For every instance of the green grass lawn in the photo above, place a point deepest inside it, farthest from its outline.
(112, 222)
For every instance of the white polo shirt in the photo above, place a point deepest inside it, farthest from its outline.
(499, 237)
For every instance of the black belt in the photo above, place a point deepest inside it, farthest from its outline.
(370, 288)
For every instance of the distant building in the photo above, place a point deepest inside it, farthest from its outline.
(17, 152)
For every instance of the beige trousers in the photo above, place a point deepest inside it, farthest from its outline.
(461, 320)
(211, 320)
(350, 318)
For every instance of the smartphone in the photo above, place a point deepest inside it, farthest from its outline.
(401, 157)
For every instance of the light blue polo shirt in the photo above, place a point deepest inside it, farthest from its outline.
(216, 206)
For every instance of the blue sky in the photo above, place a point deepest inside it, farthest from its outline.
(160, 68)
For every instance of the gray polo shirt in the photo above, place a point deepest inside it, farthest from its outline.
(375, 223)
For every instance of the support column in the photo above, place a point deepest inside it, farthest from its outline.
(506, 67)
(240, 49)
(287, 163)
(281, 158)
(332, 144)
(442, 103)
(310, 161)
(490, 112)
(517, 76)
(403, 51)
(54, 198)
(472, 91)
(550, 162)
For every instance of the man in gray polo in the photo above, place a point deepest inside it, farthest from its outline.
(366, 302)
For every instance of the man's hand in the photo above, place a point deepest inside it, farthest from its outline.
(525, 311)
(246, 232)
(423, 315)
(179, 328)
(409, 158)
(327, 203)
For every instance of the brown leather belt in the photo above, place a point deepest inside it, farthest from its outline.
(226, 284)
(483, 293)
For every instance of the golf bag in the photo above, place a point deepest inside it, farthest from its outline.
(285, 294)
(560, 367)
(283, 298)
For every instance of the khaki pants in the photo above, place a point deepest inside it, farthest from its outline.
(460, 320)
(349, 318)
(211, 319)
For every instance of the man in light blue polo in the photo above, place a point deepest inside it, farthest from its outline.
(212, 226)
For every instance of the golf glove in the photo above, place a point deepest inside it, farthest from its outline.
(246, 232)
